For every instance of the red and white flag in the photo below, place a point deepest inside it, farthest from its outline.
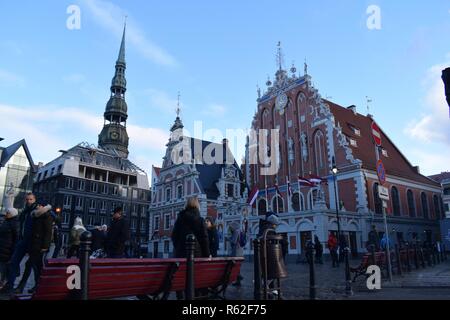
(253, 196)
(304, 182)
(316, 179)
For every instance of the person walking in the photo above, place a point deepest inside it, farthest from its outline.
(332, 246)
(118, 235)
(188, 222)
(9, 235)
(319, 250)
(213, 236)
(236, 250)
(57, 233)
(384, 242)
(41, 237)
(373, 239)
(22, 246)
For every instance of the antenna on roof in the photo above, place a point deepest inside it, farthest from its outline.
(368, 101)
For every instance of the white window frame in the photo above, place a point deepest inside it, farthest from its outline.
(167, 221)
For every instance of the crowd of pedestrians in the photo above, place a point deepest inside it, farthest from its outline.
(31, 234)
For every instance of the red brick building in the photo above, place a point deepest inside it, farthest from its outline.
(313, 134)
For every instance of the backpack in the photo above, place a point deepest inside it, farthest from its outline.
(242, 239)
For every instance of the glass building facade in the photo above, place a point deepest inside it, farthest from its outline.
(17, 171)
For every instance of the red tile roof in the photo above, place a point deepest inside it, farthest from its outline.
(395, 164)
(440, 177)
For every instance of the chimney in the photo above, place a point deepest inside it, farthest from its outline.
(416, 169)
(353, 108)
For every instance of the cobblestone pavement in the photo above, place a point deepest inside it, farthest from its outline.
(432, 283)
(429, 283)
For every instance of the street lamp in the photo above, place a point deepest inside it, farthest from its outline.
(335, 172)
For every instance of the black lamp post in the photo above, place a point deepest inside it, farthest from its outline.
(335, 171)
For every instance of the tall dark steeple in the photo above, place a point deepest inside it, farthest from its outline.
(114, 134)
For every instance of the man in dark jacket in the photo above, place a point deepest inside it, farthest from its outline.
(118, 234)
(9, 235)
(21, 249)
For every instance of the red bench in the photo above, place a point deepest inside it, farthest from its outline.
(367, 260)
(143, 278)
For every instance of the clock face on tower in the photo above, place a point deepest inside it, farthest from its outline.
(281, 102)
(114, 135)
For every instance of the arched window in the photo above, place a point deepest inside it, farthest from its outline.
(424, 201)
(376, 199)
(411, 204)
(437, 207)
(395, 202)
(297, 202)
(277, 204)
(319, 151)
(262, 207)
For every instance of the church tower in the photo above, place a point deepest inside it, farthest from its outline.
(114, 136)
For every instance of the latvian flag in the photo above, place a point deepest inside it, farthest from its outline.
(316, 179)
(304, 182)
(253, 196)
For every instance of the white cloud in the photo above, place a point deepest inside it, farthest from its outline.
(48, 129)
(111, 17)
(431, 162)
(434, 124)
(432, 130)
(11, 79)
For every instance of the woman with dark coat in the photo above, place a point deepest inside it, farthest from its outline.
(9, 234)
(189, 221)
(213, 236)
(319, 250)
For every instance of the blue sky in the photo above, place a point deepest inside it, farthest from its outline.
(54, 82)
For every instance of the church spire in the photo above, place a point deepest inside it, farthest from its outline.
(121, 58)
(114, 136)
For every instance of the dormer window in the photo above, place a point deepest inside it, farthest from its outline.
(353, 142)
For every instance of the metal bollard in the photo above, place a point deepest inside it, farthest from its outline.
(433, 254)
(257, 269)
(190, 250)
(438, 253)
(348, 280)
(416, 259)
(85, 248)
(408, 264)
(372, 251)
(398, 259)
(312, 276)
(422, 258)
